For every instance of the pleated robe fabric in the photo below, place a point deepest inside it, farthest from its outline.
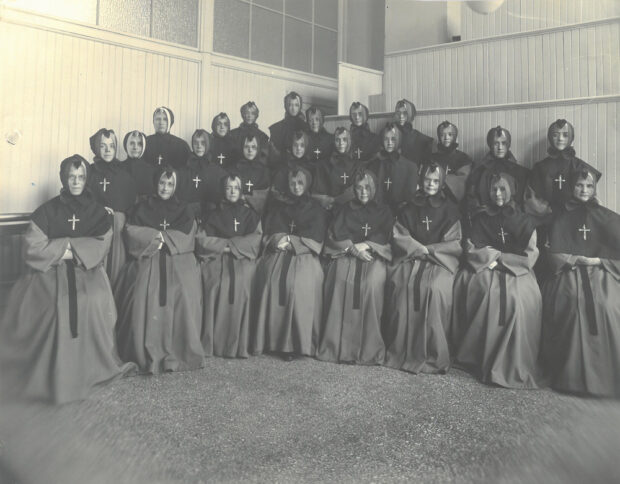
(581, 315)
(227, 278)
(40, 357)
(288, 287)
(496, 324)
(113, 185)
(419, 295)
(160, 337)
(354, 289)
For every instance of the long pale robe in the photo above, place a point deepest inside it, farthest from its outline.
(419, 301)
(160, 338)
(500, 350)
(40, 357)
(288, 299)
(354, 295)
(227, 288)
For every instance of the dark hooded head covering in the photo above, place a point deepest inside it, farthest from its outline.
(169, 114)
(357, 105)
(498, 132)
(250, 105)
(390, 126)
(95, 141)
(201, 132)
(569, 151)
(134, 134)
(221, 115)
(290, 96)
(409, 106)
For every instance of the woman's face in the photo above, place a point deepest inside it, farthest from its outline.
(357, 116)
(160, 122)
(500, 193)
(390, 140)
(447, 137)
(76, 180)
(584, 189)
(250, 149)
(560, 137)
(107, 148)
(293, 106)
(165, 187)
(500, 146)
(134, 146)
(314, 121)
(363, 190)
(401, 115)
(199, 145)
(431, 183)
(221, 126)
(233, 190)
(297, 184)
(249, 116)
(299, 148)
(341, 141)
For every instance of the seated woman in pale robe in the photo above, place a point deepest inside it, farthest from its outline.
(581, 307)
(358, 245)
(426, 244)
(288, 297)
(57, 334)
(496, 315)
(227, 244)
(158, 293)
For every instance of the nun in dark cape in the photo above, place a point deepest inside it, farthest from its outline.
(158, 293)
(227, 245)
(224, 146)
(581, 315)
(199, 181)
(254, 175)
(364, 143)
(358, 244)
(426, 244)
(249, 114)
(321, 141)
(415, 146)
(455, 163)
(163, 148)
(57, 333)
(297, 155)
(288, 287)
(497, 310)
(397, 177)
(114, 187)
(134, 144)
(282, 131)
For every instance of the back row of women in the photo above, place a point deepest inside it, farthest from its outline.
(352, 247)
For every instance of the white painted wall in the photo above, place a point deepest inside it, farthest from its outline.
(356, 83)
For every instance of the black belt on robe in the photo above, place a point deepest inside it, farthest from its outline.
(416, 285)
(357, 284)
(288, 257)
(163, 275)
(502, 297)
(231, 278)
(587, 291)
(73, 322)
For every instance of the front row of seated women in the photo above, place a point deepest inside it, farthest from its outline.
(364, 284)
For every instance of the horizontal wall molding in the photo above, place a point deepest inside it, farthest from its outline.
(368, 70)
(269, 70)
(497, 38)
(99, 34)
(494, 107)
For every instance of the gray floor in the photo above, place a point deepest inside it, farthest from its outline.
(266, 420)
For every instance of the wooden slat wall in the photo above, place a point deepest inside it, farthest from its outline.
(597, 134)
(231, 86)
(525, 15)
(58, 89)
(357, 84)
(579, 61)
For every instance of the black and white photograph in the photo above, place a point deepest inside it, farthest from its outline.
(299, 241)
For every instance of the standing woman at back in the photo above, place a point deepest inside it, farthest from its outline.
(162, 147)
(282, 131)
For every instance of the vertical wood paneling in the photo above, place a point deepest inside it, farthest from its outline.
(527, 15)
(58, 89)
(355, 84)
(572, 63)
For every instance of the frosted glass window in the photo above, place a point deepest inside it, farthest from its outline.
(299, 8)
(131, 16)
(274, 4)
(326, 13)
(80, 10)
(231, 31)
(176, 21)
(297, 44)
(325, 52)
(266, 36)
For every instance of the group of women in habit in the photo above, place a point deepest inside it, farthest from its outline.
(352, 247)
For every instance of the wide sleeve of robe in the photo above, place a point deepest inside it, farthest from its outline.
(480, 258)
(179, 242)
(90, 251)
(244, 246)
(456, 181)
(41, 252)
(520, 265)
(141, 241)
